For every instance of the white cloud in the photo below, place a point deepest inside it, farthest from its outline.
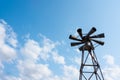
(47, 47)
(28, 67)
(34, 50)
(7, 52)
(112, 73)
(57, 58)
(111, 70)
(7, 77)
(109, 59)
(31, 49)
(11, 36)
(2, 34)
(30, 70)
(11, 39)
(7, 34)
(8, 42)
(49, 50)
(10, 78)
(70, 73)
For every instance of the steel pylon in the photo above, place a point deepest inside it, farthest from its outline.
(90, 68)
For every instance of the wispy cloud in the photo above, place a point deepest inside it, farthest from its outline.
(31, 52)
(7, 44)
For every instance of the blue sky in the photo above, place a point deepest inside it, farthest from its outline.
(34, 35)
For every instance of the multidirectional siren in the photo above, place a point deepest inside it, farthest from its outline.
(88, 38)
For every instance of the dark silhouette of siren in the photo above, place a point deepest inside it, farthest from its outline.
(88, 38)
